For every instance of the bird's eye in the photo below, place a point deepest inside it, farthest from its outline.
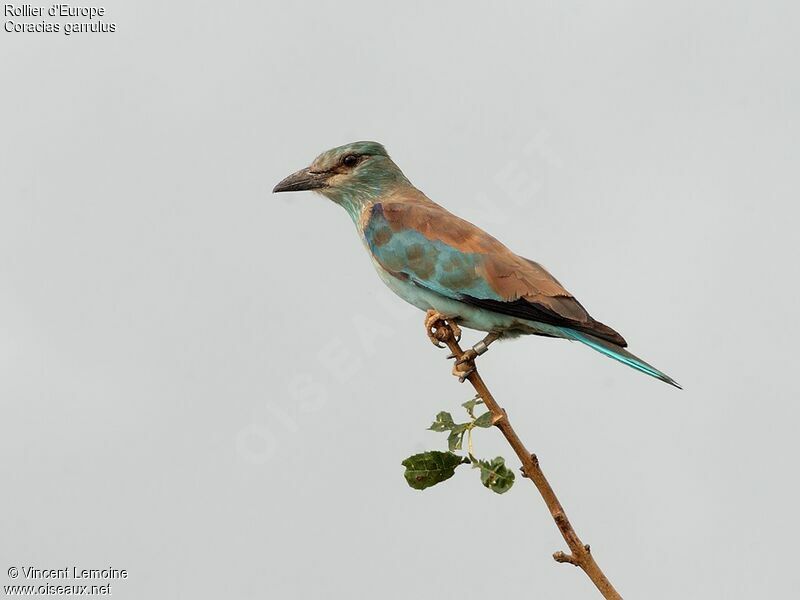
(350, 160)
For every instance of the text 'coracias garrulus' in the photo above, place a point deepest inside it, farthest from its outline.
(447, 266)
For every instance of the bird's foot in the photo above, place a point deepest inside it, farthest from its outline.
(464, 365)
(440, 328)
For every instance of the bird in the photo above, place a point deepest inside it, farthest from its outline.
(447, 266)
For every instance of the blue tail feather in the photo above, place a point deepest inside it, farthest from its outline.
(618, 353)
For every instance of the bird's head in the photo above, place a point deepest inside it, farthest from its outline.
(348, 174)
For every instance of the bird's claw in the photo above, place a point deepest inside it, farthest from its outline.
(465, 365)
(440, 328)
(463, 371)
(435, 328)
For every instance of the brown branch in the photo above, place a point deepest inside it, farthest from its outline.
(579, 554)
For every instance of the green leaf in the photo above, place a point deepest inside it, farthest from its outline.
(456, 437)
(443, 422)
(429, 468)
(485, 420)
(471, 404)
(495, 475)
(455, 440)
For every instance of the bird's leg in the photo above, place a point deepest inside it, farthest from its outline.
(466, 364)
(434, 321)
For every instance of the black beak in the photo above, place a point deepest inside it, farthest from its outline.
(302, 180)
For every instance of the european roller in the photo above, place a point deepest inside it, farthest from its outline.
(447, 266)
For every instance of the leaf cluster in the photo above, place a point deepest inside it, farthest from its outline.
(429, 468)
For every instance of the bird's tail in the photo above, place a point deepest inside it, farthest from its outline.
(618, 353)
